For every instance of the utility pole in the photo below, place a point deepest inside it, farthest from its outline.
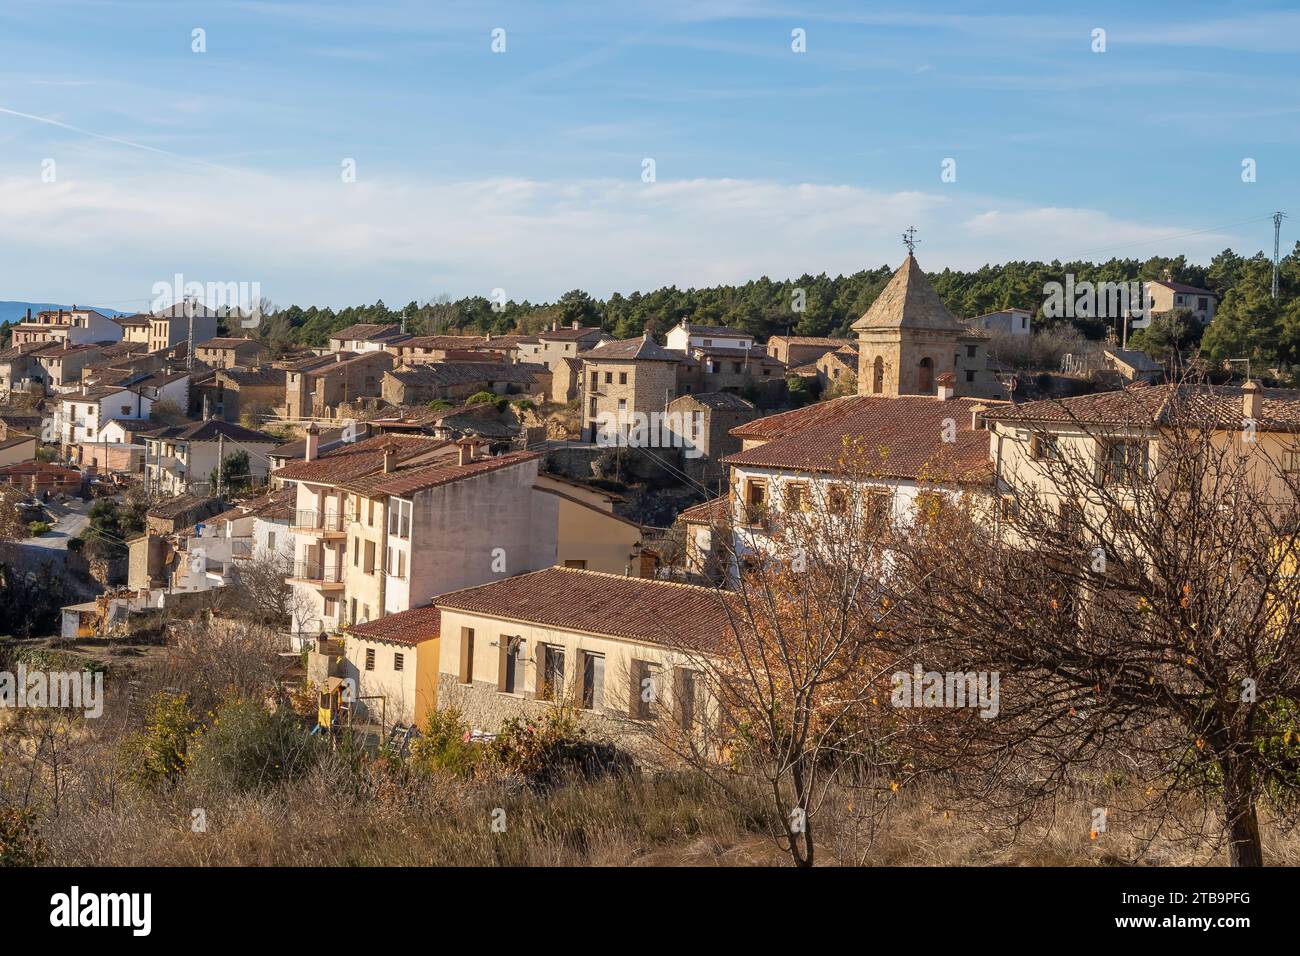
(1277, 237)
(221, 455)
(189, 348)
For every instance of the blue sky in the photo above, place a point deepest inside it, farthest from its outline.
(522, 170)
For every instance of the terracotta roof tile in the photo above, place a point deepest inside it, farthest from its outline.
(713, 511)
(411, 627)
(899, 437)
(414, 478)
(657, 612)
(357, 459)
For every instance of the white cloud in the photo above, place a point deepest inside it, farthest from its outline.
(314, 239)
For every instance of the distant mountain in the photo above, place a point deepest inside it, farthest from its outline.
(12, 311)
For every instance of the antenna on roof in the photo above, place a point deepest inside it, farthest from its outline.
(909, 239)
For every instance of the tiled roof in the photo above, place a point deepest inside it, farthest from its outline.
(94, 394)
(657, 612)
(720, 400)
(782, 423)
(721, 331)
(909, 302)
(414, 478)
(213, 428)
(643, 349)
(253, 376)
(367, 332)
(811, 340)
(466, 373)
(1182, 287)
(228, 343)
(713, 511)
(16, 440)
(411, 627)
(310, 363)
(356, 459)
(139, 318)
(345, 366)
(883, 437)
(1162, 405)
(442, 342)
(327, 436)
(570, 333)
(175, 507)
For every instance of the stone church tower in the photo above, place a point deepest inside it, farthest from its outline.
(908, 338)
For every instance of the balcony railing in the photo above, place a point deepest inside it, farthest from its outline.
(317, 572)
(319, 520)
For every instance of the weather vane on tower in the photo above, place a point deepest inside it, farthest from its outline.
(909, 239)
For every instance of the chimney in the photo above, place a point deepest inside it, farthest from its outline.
(947, 386)
(467, 447)
(575, 325)
(313, 442)
(555, 325)
(390, 457)
(1252, 405)
(977, 417)
(29, 313)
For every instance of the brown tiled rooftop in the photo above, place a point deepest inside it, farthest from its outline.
(411, 627)
(881, 437)
(1156, 405)
(357, 459)
(413, 478)
(657, 612)
(713, 511)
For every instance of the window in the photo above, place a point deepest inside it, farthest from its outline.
(880, 506)
(510, 676)
(708, 343)
(837, 500)
(369, 565)
(609, 378)
(399, 518)
(622, 378)
(622, 404)
(796, 496)
(370, 508)
(595, 379)
(398, 661)
(689, 699)
(970, 351)
(356, 552)
(970, 375)
(1009, 509)
(1044, 447)
(736, 368)
(1291, 461)
(644, 704)
(593, 681)
(1125, 462)
(352, 615)
(1202, 303)
(593, 409)
(878, 375)
(467, 655)
(370, 656)
(270, 540)
(552, 672)
(575, 563)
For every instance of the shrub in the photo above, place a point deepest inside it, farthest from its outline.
(535, 748)
(20, 844)
(35, 528)
(159, 754)
(445, 745)
(249, 748)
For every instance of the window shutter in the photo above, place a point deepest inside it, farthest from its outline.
(679, 696)
(635, 707)
(539, 674)
(503, 646)
(466, 653)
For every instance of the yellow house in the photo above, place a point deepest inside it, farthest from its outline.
(394, 663)
(622, 651)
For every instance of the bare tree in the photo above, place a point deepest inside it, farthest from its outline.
(1138, 598)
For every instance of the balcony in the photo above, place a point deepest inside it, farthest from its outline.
(326, 524)
(319, 575)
